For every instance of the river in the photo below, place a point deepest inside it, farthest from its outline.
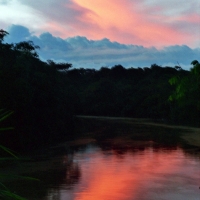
(113, 170)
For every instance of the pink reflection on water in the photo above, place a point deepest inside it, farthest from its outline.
(148, 174)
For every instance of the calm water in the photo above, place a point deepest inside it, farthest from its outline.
(91, 173)
(121, 169)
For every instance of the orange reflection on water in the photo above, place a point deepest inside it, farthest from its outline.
(110, 177)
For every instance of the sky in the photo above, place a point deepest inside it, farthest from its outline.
(92, 34)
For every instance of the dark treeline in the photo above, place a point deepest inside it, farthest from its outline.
(124, 92)
(45, 96)
(168, 94)
(41, 98)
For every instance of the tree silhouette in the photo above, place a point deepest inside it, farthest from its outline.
(2, 34)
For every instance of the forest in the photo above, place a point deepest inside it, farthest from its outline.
(46, 97)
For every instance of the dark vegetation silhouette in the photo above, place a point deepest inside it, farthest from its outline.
(45, 96)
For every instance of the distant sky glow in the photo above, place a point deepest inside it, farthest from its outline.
(147, 23)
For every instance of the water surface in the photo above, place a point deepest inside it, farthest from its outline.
(138, 162)
(148, 174)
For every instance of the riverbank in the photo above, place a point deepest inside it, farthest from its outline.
(189, 135)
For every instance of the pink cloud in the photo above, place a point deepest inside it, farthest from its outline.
(125, 22)
(138, 22)
(192, 18)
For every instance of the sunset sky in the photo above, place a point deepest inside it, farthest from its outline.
(138, 32)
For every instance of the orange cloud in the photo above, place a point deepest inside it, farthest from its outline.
(126, 22)
(139, 22)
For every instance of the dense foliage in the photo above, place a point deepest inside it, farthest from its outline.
(186, 96)
(140, 93)
(46, 95)
(39, 95)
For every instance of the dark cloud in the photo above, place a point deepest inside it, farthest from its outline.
(50, 42)
(105, 43)
(82, 52)
(4, 2)
(17, 33)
